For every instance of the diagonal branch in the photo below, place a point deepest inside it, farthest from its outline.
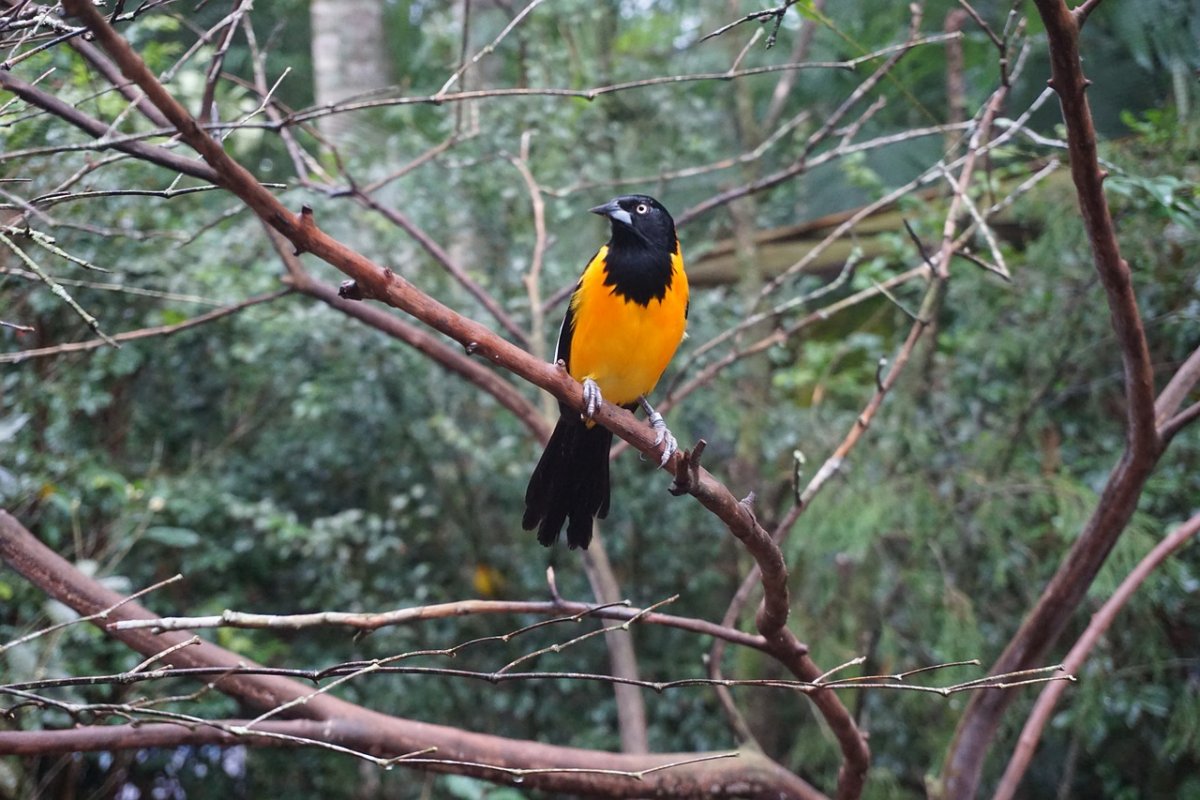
(1176, 391)
(421, 341)
(1102, 620)
(68, 113)
(141, 333)
(376, 282)
(1067, 588)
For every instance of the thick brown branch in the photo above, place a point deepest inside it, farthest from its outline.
(1066, 590)
(68, 113)
(1101, 622)
(663, 775)
(1069, 83)
(371, 732)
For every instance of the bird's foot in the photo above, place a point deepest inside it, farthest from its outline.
(662, 434)
(592, 399)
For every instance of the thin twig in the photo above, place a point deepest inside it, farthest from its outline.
(59, 291)
(141, 333)
(99, 615)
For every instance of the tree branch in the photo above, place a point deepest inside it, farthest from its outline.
(1102, 620)
(68, 113)
(1177, 389)
(421, 341)
(141, 333)
(492, 757)
(371, 621)
(1066, 590)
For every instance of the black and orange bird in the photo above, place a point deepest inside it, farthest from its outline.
(624, 322)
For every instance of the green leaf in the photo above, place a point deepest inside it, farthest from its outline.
(172, 537)
(464, 788)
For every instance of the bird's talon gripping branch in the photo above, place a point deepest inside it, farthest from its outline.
(592, 399)
(662, 434)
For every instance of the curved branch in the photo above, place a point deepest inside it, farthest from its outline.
(1101, 622)
(368, 731)
(1067, 588)
(683, 774)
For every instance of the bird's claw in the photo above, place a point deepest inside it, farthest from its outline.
(592, 399)
(663, 436)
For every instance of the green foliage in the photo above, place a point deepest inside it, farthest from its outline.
(288, 459)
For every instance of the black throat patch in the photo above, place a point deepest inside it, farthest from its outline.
(638, 272)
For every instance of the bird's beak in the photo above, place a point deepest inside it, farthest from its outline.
(613, 211)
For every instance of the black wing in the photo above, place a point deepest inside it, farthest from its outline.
(567, 332)
(563, 351)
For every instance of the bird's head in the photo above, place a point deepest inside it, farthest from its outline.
(639, 217)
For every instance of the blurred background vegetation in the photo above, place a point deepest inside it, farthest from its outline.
(289, 459)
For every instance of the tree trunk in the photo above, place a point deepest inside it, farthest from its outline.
(349, 58)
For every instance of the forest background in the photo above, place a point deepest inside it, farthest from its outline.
(905, 341)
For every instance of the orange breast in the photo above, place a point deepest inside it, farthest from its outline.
(622, 345)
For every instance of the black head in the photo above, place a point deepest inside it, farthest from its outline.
(639, 217)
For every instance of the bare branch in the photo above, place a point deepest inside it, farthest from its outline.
(100, 615)
(190, 730)
(1102, 620)
(349, 726)
(1177, 389)
(421, 341)
(141, 333)
(490, 48)
(343, 673)
(404, 616)
(596, 91)
(68, 113)
(1144, 446)
(1181, 420)
(58, 291)
(777, 13)
(533, 275)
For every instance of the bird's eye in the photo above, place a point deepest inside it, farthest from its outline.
(642, 208)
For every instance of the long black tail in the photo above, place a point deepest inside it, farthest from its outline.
(570, 481)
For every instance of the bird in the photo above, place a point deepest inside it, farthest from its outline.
(625, 320)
